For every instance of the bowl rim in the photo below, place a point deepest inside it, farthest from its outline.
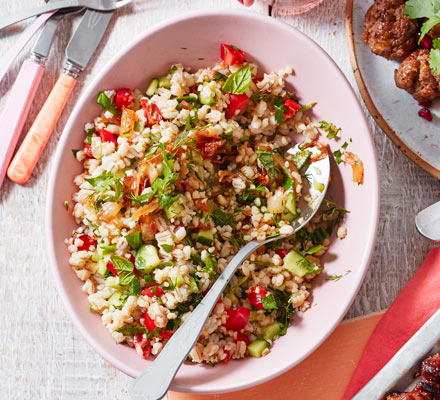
(49, 220)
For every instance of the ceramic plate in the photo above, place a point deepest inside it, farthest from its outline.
(394, 109)
(194, 41)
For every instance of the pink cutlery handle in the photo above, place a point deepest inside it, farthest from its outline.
(8, 58)
(33, 144)
(16, 110)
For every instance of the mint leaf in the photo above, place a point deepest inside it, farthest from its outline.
(101, 182)
(135, 287)
(266, 158)
(107, 249)
(239, 81)
(269, 302)
(106, 103)
(124, 268)
(134, 240)
(166, 201)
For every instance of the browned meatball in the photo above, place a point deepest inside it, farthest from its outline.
(416, 77)
(431, 369)
(389, 32)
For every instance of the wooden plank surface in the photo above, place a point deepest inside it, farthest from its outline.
(42, 355)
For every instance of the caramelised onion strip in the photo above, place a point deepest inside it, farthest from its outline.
(146, 209)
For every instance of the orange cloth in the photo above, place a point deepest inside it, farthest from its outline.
(323, 375)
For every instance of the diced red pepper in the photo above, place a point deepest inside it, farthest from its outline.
(237, 319)
(256, 80)
(152, 291)
(186, 105)
(281, 252)
(231, 55)
(152, 112)
(88, 241)
(112, 268)
(124, 98)
(141, 342)
(148, 322)
(237, 104)
(241, 337)
(88, 150)
(255, 295)
(166, 334)
(291, 107)
(228, 356)
(106, 136)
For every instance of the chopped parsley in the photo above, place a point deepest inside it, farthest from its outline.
(106, 103)
(269, 302)
(331, 129)
(221, 218)
(280, 110)
(266, 158)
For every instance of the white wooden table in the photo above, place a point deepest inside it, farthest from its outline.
(42, 355)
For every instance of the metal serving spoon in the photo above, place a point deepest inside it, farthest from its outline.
(428, 222)
(98, 5)
(154, 382)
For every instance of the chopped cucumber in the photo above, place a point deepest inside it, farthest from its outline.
(296, 263)
(173, 210)
(177, 280)
(112, 282)
(164, 82)
(114, 299)
(257, 347)
(318, 185)
(95, 256)
(272, 330)
(302, 158)
(291, 203)
(146, 258)
(206, 95)
(287, 216)
(152, 87)
(102, 267)
(205, 237)
(193, 288)
(233, 298)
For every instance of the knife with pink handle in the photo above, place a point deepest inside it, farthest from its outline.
(22, 94)
(80, 49)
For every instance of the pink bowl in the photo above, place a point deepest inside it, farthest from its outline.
(194, 41)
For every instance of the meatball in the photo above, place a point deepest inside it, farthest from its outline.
(416, 77)
(431, 369)
(388, 32)
(416, 394)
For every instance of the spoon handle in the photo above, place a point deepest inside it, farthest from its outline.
(154, 382)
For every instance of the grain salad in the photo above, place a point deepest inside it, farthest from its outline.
(175, 180)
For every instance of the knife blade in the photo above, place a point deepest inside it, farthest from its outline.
(79, 51)
(428, 222)
(16, 109)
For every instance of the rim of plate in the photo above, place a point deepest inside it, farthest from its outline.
(375, 113)
(369, 244)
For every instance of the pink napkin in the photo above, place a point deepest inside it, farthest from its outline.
(285, 7)
(414, 305)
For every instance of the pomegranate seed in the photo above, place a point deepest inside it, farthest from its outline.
(426, 42)
(425, 113)
(425, 103)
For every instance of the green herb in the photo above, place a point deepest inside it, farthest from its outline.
(313, 250)
(261, 94)
(240, 282)
(151, 150)
(134, 240)
(101, 182)
(288, 183)
(124, 268)
(434, 56)
(218, 76)
(221, 218)
(284, 304)
(100, 200)
(239, 81)
(211, 266)
(318, 235)
(106, 103)
(337, 277)
(149, 278)
(266, 158)
(338, 153)
(74, 152)
(129, 330)
(141, 199)
(269, 302)
(90, 133)
(183, 139)
(107, 249)
(226, 135)
(172, 69)
(166, 201)
(330, 128)
(307, 107)
(189, 240)
(66, 205)
(135, 288)
(280, 110)
(167, 247)
(211, 364)
(236, 240)
(429, 9)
